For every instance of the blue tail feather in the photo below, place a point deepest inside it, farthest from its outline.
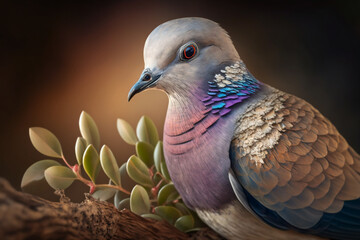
(344, 225)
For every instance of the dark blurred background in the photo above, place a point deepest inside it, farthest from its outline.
(59, 58)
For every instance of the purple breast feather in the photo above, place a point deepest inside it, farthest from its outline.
(233, 86)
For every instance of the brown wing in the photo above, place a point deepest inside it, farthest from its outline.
(306, 166)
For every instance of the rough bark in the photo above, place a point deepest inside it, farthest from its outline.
(24, 216)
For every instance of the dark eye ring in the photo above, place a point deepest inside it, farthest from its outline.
(189, 51)
(147, 77)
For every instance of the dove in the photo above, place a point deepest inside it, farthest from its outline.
(252, 161)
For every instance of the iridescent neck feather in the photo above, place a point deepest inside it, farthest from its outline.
(189, 120)
(233, 85)
(198, 132)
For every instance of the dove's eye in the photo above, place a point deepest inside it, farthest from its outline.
(188, 51)
(147, 77)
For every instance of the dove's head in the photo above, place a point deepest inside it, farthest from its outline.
(184, 54)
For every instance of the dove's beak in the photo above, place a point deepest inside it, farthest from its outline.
(147, 79)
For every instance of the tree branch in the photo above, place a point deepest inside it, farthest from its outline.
(24, 216)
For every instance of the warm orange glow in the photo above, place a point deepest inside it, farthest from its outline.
(91, 57)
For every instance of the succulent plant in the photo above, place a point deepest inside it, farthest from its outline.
(153, 196)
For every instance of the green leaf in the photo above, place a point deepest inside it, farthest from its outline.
(103, 193)
(198, 223)
(123, 173)
(125, 178)
(156, 180)
(80, 147)
(36, 171)
(89, 130)
(45, 142)
(109, 165)
(145, 152)
(164, 170)
(126, 132)
(182, 208)
(139, 200)
(119, 196)
(167, 194)
(138, 171)
(168, 213)
(146, 131)
(39, 188)
(185, 223)
(122, 170)
(59, 177)
(125, 203)
(152, 216)
(158, 155)
(91, 162)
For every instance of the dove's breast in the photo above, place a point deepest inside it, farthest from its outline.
(198, 164)
(196, 148)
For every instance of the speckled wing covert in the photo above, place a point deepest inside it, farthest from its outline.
(296, 169)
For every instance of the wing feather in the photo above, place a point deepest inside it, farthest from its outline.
(302, 170)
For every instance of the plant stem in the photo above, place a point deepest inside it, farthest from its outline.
(151, 171)
(112, 186)
(66, 162)
(76, 169)
(159, 183)
(162, 176)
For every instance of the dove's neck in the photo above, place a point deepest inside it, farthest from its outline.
(199, 127)
(184, 111)
(196, 147)
(197, 161)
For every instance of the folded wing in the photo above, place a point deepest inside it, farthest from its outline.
(296, 169)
